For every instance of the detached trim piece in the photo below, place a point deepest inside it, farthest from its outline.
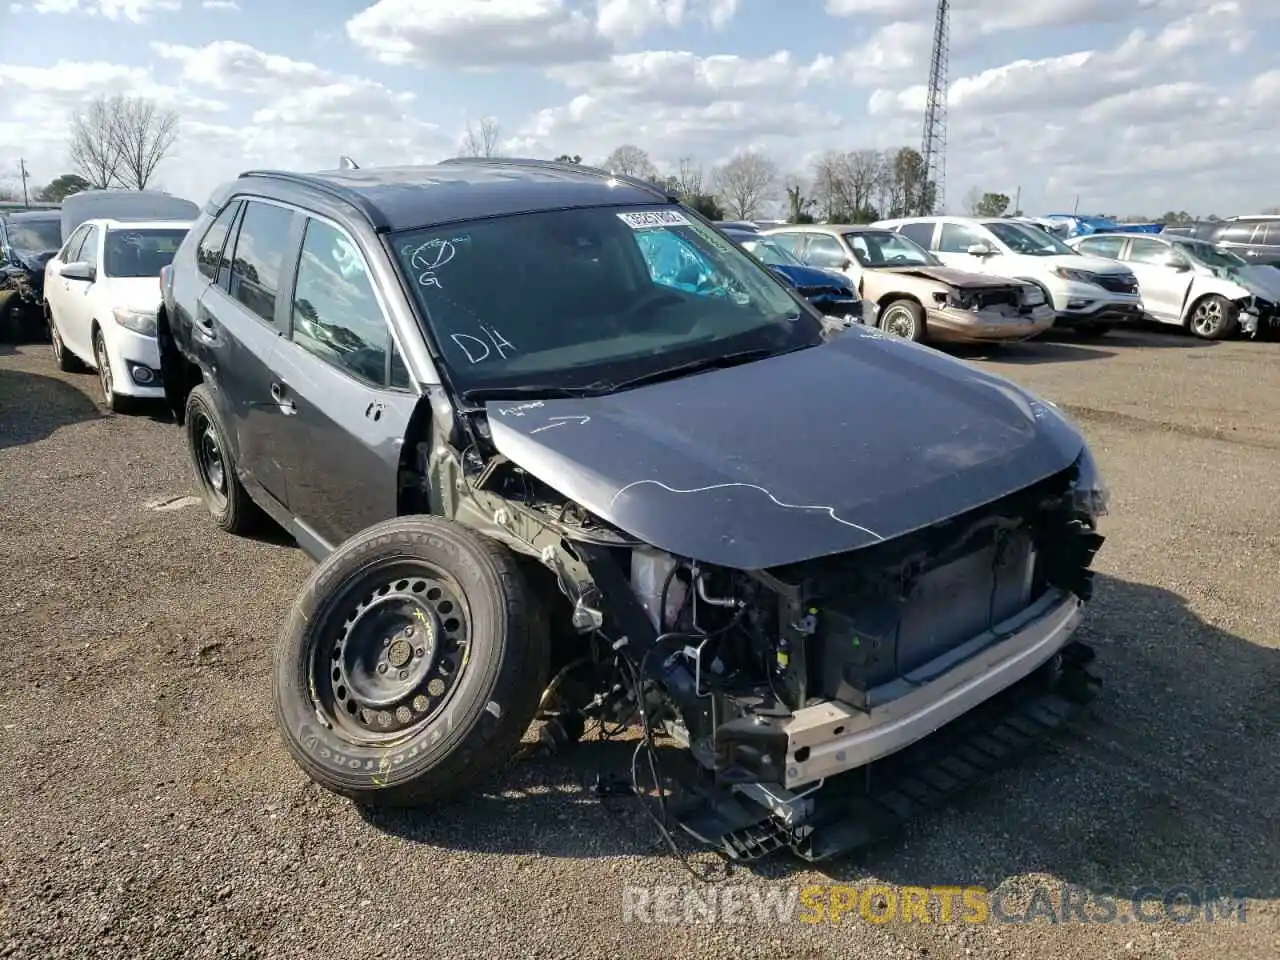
(866, 737)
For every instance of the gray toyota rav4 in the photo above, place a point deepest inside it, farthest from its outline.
(563, 452)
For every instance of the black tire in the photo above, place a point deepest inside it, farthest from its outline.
(67, 361)
(110, 399)
(225, 497)
(415, 743)
(1213, 318)
(903, 319)
(10, 317)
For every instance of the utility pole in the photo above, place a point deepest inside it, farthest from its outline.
(1017, 202)
(1076, 206)
(22, 165)
(933, 140)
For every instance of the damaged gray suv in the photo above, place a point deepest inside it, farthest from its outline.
(565, 453)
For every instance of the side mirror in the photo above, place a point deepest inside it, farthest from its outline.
(979, 250)
(80, 270)
(1180, 265)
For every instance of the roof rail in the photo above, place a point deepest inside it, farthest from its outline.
(350, 197)
(603, 174)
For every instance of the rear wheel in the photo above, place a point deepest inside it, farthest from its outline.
(903, 319)
(225, 497)
(67, 361)
(1213, 318)
(411, 664)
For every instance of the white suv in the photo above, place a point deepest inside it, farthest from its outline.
(1088, 293)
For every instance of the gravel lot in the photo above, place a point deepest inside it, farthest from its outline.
(149, 811)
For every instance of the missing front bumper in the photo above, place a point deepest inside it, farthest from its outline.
(855, 810)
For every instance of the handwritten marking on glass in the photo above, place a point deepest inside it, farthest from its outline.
(580, 420)
(647, 219)
(429, 257)
(520, 409)
(472, 346)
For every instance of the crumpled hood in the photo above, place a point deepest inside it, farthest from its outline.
(952, 277)
(1261, 281)
(811, 453)
(811, 276)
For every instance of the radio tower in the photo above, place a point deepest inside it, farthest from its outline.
(933, 142)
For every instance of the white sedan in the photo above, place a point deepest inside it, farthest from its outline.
(102, 291)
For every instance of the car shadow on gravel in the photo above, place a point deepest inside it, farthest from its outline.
(33, 406)
(1167, 779)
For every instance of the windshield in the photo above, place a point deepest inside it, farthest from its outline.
(586, 298)
(768, 251)
(140, 253)
(884, 248)
(1209, 255)
(1032, 243)
(35, 236)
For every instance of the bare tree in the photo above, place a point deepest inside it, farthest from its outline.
(144, 135)
(120, 141)
(972, 200)
(630, 161)
(94, 149)
(745, 183)
(866, 171)
(481, 140)
(688, 178)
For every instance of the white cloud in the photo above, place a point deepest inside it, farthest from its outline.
(476, 33)
(134, 10)
(631, 18)
(220, 4)
(675, 77)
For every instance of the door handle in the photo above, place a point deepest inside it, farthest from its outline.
(279, 393)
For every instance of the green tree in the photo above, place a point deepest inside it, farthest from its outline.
(706, 205)
(798, 205)
(59, 188)
(992, 205)
(567, 158)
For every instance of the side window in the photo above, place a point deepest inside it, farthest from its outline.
(791, 242)
(89, 251)
(336, 315)
(958, 238)
(259, 254)
(1108, 247)
(921, 233)
(825, 251)
(1148, 251)
(71, 251)
(209, 253)
(1236, 233)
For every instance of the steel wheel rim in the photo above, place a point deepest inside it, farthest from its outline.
(396, 660)
(900, 323)
(104, 369)
(209, 459)
(1207, 317)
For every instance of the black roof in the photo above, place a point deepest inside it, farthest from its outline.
(404, 198)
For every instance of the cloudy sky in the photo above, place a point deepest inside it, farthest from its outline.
(1137, 106)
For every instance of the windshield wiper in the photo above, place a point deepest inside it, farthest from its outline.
(528, 391)
(714, 362)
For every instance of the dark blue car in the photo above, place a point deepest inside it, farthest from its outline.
(830, 292)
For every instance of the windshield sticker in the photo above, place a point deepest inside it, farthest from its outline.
(649, 219)
(477, 350)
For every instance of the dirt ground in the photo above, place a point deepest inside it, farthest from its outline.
(150, 812)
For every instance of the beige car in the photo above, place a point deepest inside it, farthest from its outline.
(918, 298)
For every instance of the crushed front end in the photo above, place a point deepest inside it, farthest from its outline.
(808, 693)
(1009, 312)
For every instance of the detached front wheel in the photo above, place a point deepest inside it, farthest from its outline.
(411, 664)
